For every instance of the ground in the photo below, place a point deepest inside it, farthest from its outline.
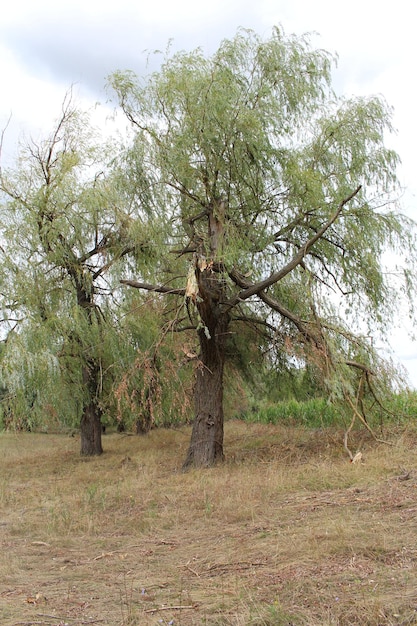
(286, 532)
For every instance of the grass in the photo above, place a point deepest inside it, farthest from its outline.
(314, 413)
(320, 413)
(286, 532)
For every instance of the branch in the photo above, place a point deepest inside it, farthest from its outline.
(253, 320)
(357, 414)
(3, 132)
(360, 366)
(155, 288)
(184, 191)
(98, 248)
(101, 270)
(300, 324)
(275, 277)
(289, 227)
(273, 304)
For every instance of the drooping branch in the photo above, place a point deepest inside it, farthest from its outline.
(356, 414)
(319, 341)
(302, 327)
(275, 277)
(360, 366)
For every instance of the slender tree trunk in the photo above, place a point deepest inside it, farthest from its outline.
(90, 426)
(144, 421)
(149, 399)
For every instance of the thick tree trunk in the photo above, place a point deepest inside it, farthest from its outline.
(206, 446)
(90, 426)
(91, 431)
(206, 288)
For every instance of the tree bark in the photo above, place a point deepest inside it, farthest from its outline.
(90, 426)
(206, 445)
(91, 431)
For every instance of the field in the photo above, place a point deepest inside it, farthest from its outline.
(286, 532)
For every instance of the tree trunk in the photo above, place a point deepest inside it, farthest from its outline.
(90, 426)
(206, 289)
(144, 422)
(91, 431)
(206, 446)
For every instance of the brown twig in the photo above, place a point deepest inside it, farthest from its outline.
(103, 555)
(70, 619)
(172, 608)
(192, 571)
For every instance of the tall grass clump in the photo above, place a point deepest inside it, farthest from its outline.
(313, 413)
(402, 407)
(397, 409)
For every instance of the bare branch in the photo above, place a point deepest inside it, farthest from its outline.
(273, 304)
(3, 132)
(360, 366)
(155, 288)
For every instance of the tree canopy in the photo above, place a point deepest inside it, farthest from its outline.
(68, 227)
(282, 203)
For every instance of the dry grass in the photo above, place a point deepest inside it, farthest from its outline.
(285, 532)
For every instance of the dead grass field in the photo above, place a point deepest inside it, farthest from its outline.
(286, 532)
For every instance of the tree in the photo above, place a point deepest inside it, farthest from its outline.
(282, 198)
(68, 227)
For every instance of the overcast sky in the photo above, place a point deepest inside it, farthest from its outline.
(48, 45)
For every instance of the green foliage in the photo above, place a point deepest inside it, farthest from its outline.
(398, 409)
(313, 413)
(151, 386)
(283, 193)
(71, 223)
(319, 412)
(301, 189)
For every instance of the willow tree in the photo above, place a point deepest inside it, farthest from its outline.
(67, 229)
(282, 201)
